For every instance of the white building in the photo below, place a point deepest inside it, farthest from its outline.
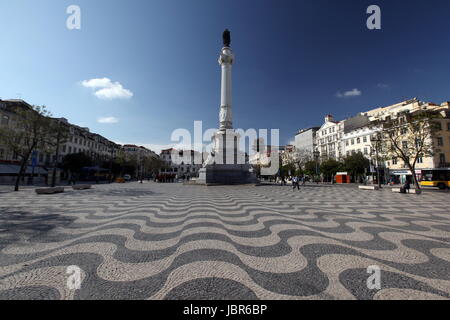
(328, 139)
(139, 152)
(305, 140)
(181, 163)
(359, 141)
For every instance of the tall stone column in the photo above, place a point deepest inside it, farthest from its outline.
(226, 164)
(226, 60)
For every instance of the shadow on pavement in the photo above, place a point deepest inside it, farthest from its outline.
(16, 225)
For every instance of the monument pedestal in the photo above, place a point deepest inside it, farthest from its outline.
(226, 164)
(227, 174)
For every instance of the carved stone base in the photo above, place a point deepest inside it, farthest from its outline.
(227, 174)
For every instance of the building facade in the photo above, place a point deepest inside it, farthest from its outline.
(179, 162)
(79, 140)
(339, 139)
(305, 140)
(328, 139)
(138, 152)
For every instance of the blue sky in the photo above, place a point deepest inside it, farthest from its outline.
(293, 58)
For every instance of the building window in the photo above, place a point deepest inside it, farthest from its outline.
(442, 158)
(346, 143)
(448, 126)
(366, 151)
(353, 141)
(365, 139)
(2, 152)
(440, 141)
(420, 160)
(358, 141)
(405, 144)
(403, 131)
(394, 161)
(418, 143)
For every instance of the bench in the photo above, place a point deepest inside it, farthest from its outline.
(412, 191)
(50, 190)
(369, 188)
(81, 187)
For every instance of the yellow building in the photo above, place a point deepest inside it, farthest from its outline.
(440, 139)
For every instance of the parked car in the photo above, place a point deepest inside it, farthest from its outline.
(127, 177)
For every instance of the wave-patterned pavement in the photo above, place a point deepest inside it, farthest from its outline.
(169, 241)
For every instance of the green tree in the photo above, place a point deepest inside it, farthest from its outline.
(311, 168)
(74, 162)
(356, 164)
(153, 164)
(28, 132)
(329, 168)
(59, 134)
(299, 172)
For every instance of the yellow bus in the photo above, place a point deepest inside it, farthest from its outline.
(439, 178)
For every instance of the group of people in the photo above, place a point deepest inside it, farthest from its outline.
(170, 178)
(296, 181)
(165, 178)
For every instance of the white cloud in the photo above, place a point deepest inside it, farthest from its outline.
(352, 93)
(106, 89)
(108, 120)
(383, 86)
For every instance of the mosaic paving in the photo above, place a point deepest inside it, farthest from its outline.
(169, 241)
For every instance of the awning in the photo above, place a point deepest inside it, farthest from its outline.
(400, 172)
(14, 169)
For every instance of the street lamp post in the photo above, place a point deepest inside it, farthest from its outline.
(376, 140)
(316, 159)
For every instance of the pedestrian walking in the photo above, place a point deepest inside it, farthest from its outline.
(295, 183)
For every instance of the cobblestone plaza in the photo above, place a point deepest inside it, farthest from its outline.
(174, 241)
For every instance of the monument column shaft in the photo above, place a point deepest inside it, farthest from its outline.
(226, 96)
(226, 110)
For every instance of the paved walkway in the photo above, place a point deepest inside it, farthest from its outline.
(169, 241)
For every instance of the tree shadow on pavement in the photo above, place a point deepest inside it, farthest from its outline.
(19, 226)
